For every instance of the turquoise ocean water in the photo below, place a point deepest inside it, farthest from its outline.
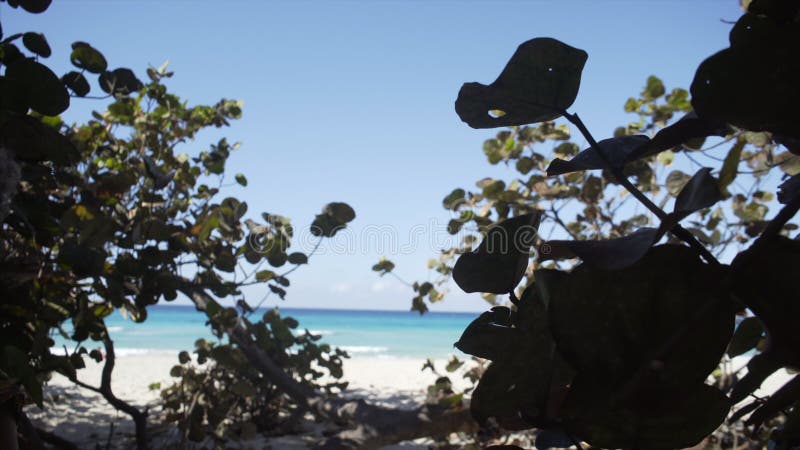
(383, 334)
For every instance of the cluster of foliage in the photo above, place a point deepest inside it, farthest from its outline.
(615, 351)
(221, 395)
(111, 216)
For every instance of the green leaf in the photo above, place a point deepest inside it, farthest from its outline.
(653, 89)
(454, 199)
(183, 357)
(499, 262)
(767, 285)
(36, 43)
(297, 258)
(675, 182)
(383, 266)
(540, 80)
(264, 275)
(341, 212)
(86, 57)
(241, 179)
(731, 165)
(77, 82)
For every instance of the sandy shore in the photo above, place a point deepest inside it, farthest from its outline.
(83, 417)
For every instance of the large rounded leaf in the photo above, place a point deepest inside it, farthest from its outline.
(610, 323)
(42, 89)
(490, 336)
(540, 80)
(499, 262)
(615, 150)
(120, 82)
(35, 6)
(77, 82)
(767, 286)
(86, 57)
(753, 84)
(652, 422)
(31, 140)
(36, 43)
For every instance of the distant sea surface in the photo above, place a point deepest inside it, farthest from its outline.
(382, 334)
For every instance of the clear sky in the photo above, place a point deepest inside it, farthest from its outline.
(353, 101)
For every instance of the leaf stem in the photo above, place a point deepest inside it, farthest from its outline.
(677, 230)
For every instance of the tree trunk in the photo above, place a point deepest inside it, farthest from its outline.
(139, 417)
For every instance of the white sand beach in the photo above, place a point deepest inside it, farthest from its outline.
(85, 418)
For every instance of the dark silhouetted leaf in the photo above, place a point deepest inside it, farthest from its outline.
(731, 165)
(607, 253)
(77, 82)
(687, 128)
(547, 439)
(540, 80)
(32, 140)
(454, 199)
(42, 89)
(700, 192)
(36, 43)
(241, 179)
(297, 258)
(732, 85)
(767, 285)
(341, 212)
(759, 368)
(607, 322)
(499, 262)
(789, 189)
(120, 82)
(678, 421)
(490, 336)
(34, 6)
(183, 357)
(86, 57)
(746, 336)
(616, 150)
(778, 402)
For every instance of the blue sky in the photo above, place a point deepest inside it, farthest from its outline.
(353, 101)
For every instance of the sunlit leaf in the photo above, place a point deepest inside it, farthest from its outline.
(86, 57)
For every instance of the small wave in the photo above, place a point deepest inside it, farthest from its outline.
(363, 349)
(321, 332)
(115, 329)
(143, 351)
